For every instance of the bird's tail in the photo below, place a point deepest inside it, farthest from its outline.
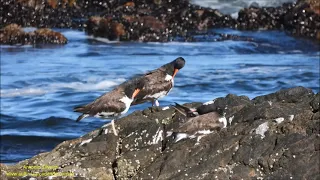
(80, 109)
(189, 112)
(82, 116)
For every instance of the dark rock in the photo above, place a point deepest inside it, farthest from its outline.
(300, 19)
(104, 27)
(292, 95)
(158, 20)
(4, 171)
(315, 103)
(45, 35)
(278, 140)
(51, 13)
(166, 21)
(230, 104)
(13, 34)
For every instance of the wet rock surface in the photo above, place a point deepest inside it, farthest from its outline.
(300, 19)
(13, 34)
(160, 21)
(275, 136)
(181, 21)
(49, 13)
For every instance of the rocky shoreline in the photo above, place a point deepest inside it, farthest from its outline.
(13, 34)
(275, 136)
(159, 21)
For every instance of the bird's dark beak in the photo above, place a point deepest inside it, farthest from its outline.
(175, 72)
(135, 93)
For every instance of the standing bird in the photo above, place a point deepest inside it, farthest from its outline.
(159, 82)
(112, 104)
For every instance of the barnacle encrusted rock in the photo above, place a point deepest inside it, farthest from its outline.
(274, 136)
(13, 34)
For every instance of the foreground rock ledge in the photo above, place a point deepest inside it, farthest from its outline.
(275, 136)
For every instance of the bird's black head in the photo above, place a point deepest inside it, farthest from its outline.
(178, 63)
(173, 67)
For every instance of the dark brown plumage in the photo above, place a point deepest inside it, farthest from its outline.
(209, 121)
(159, 82)
(197, 125)
(112, 104)
(203, 109)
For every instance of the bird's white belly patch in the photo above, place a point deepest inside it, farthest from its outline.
(156, 95)
(106, 114)
(161, 94)
(127, 101)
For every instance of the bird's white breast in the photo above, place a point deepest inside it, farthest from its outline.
(168, 77)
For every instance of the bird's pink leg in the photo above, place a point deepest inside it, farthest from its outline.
(114, 128)
(157, 103)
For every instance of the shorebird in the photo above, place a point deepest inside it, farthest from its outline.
(200, 125)
(159, 82)
(192, 112)
(112, 104)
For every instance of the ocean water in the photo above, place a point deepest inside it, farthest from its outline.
(234, 6)
(40, 85)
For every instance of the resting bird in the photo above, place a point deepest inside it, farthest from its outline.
(112, 104)
(159, 82)
(192, 112)
(197, 126)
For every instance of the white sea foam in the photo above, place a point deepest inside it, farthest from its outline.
(50, 88)
(104, 40)
(38, 133)
(229, 7)
(262, 70)
(74, 34)
(87, 86)
(22, 92)
(174, 43)
(29, 29)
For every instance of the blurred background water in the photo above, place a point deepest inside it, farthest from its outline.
(234, 6)
(40, 85)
